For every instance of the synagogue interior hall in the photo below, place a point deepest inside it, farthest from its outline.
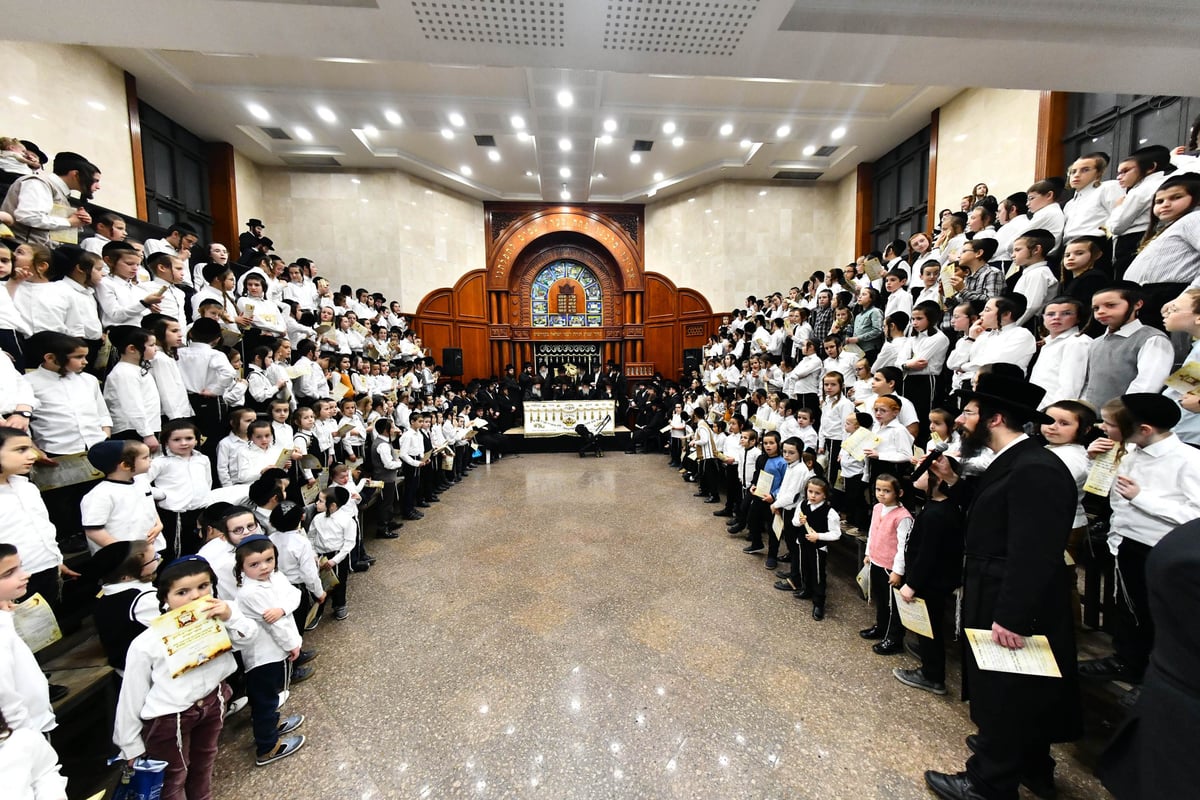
(599, 399)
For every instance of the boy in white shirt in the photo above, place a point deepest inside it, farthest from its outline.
(1035, 280)
(122, 301)
(121, 507)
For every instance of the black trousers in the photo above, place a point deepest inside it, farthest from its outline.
(13, 343)
(263, 685)
(1132, 627)
(786, 537)
(998, 763)
(833, 448)
(733, 488)
(182, 532)
(408, 500)
(808, 571)
(920, 391)
(759, 517)
(1124, 251)
(342, 570)
(710, 477)
(933, 651)
(887, 616)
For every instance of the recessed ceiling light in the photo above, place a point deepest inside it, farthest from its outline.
(762, 192)
(658, 176)
(610, 125)
(564, 144)
(745, 144)
(257, 111)
(326, 113)
(691, 199)
(96, 104)
(528, 173)
(668, 128)
(456, 119)
(677, 141)
(809, 150)
(465, 170)
(344, 60)
(447, 133)
(517, 121)
(727, 129)
(493, 154)
(606, 139)
(303, 134)
(365, 200)
(21, 101)
(523, 136)
(783, 131)
(371, 130)
(564, 172)
(837, 133)
(635, 158)
(708, 211)
(565, 195)
(355, 180)
(565, 98)
(392, 117)
(599, 176)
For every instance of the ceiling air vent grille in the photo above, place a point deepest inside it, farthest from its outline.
(826, 151)
(681, 27)
(485, 141)
(796, 175)
(642, 145)
(310, 161)
(276, 133)
(531, 23)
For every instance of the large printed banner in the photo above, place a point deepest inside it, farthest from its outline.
(559, 418)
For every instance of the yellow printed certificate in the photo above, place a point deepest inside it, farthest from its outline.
(1102, 474)
(857, 442)
(35, 623)
(914, 615)
(190, 637)
(1035, 658)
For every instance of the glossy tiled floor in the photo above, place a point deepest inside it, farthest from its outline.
(583, 628)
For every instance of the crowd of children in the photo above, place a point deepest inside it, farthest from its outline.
(200, 447)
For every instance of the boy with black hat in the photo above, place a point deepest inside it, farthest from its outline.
(121, 507)
(1156, 490)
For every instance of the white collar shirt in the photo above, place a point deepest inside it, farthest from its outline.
(1168, 477)
(71, 415)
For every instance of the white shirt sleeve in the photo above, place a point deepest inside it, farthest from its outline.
(1154, 363)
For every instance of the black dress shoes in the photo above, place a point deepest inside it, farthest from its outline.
(873, 632)
(818, 613)
(713, 500)
(1111, 668)
(387, 535)
(888, 647)
(700, 494)
(948, 786)
(1041, 786)
(734, 530)
(724, 512)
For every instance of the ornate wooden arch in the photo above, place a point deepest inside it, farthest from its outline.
(617, 229)
(647, 319)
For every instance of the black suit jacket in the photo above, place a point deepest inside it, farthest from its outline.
(1014, 574)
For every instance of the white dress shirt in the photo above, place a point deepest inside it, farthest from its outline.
(173, 299)
(183, 483)
(124, 509)
(24, 692)
(1049, 218)
(275, 639)
(1168, 477)
(205, 369)
(27, 526)
(71, 412)
(120, 301)
(1008, 234)
(82, 315)
(42, 304)
(30, 767)
(1010, 345)
(1133, 215)
(298, 561)
(1061, 366)
(1038, 284)
(1090, 208)
(15, 389)
(334, 533)
(929, 347)
(172, 394)
(132, 399)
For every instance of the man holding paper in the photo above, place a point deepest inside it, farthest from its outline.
(1015, 586)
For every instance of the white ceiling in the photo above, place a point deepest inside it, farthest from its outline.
(876, 68)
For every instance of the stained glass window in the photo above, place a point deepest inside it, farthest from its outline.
(566, 294)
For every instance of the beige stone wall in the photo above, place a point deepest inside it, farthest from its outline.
(248, 193)
(388, 232)
(73, 100)
(730, 239)
(987, 135)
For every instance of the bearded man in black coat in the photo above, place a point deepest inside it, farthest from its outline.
(1015, 585)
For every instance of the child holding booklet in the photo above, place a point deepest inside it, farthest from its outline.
(334, 533)
(933, 558)
(817, 524)
(261, 454)
(852, 468)
(24, 693)
(890, 526)
(297, 560)
(178, 718)
(266, 597)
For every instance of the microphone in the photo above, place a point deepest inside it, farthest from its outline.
(930, 457)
